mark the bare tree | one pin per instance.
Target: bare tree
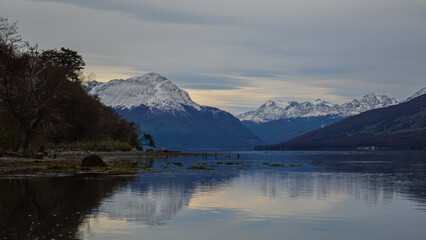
(9, 35)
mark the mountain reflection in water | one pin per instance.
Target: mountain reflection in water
(333, 195)
(155, 198)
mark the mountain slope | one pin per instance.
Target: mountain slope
(417, 94)
(285, 129)
(168, 113)
(207, 128)
(401, 126)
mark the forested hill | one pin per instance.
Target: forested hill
(42, 101)
(400, 126)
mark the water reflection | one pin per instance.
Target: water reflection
(321, 200)
(49, 208)
(333, 196)
(155, 198)
(382, 174)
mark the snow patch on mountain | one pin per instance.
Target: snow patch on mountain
(151, 90)
(90, 85)
(276, 109)
(417, 94)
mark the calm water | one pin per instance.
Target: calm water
(323, 195)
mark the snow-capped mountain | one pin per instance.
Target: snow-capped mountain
(400, 126)
(417, 94)
(151, 90)
(90, 85)
(167, 113)
(366, 103)
(276, 109)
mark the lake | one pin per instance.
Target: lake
(260, 195)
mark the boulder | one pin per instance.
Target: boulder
(93, 161)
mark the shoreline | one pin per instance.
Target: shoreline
(70, 162)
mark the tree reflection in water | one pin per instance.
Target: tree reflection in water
(51, 207)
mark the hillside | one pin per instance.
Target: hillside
(400, 126)
(285, 129)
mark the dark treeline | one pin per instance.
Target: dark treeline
(42, 101)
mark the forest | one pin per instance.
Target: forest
(44, 106)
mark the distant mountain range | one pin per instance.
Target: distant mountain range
(276, 109)
(168, 113)
(401, 126)
(277, 121)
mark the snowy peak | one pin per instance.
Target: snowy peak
(90, 85)
(275, 110)
(417, 94)
(368, 102)
(151, 90)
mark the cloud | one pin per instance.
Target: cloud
(257, 90)
(170, 13)
(206, 82)
(338, 49)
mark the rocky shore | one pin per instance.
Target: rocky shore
(71, 162)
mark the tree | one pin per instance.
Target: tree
(66, 58)
(9, 36)
(42, 100)
(147, 140)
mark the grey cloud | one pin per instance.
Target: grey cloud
(196, 81)
(261, 73)
(348, 47)
(149, 12)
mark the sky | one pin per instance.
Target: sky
(237, 54)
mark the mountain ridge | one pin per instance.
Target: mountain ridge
(401, 126)
(278, 121)
(151, 89)
(417, 94)
(277, 109)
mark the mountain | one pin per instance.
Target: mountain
(288, 128)
(417, 94)
(87, 86)
(168, 113)
(401, 126)
(150, 90)
(277, 121)
(276, 109)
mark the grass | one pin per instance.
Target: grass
(233, 163)
(282, 165)
(199, 167)
(276, 165)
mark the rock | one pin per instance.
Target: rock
(93, 161)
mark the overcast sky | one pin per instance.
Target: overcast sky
(237, 54)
